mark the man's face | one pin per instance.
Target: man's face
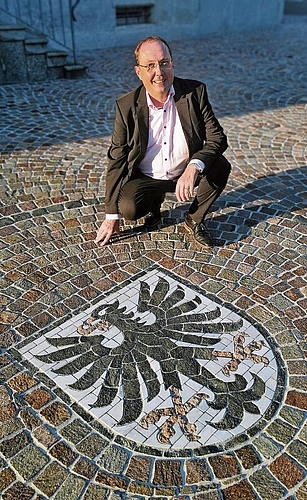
(157, 80)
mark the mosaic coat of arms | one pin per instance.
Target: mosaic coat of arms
(162, 365)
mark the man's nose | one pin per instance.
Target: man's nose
(158, 68)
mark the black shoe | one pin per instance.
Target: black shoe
(201, 233)
(152, 221)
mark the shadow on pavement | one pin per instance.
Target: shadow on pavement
(236, 213)
(282, 195)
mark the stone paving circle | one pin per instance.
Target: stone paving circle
(154, 368)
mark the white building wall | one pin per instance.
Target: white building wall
(172, 19)
(95, 25)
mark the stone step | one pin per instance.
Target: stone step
(36, 45)
(56, 58)
(55, 64)
(25, 57)
(13, 68)
(12, 32)
(75, 71)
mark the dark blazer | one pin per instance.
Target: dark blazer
(205, 137)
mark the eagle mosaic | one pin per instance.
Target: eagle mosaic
(162, 364)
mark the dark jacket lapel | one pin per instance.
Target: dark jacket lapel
(184, 112)
(142, 119)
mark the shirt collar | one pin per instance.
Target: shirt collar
(171, 93)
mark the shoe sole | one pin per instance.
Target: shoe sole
(189, 228)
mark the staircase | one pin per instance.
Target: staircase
(25, 57)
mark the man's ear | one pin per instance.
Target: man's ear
(137, 71)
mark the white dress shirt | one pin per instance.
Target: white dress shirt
(167, 151)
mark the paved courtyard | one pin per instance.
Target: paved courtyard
(154, 368)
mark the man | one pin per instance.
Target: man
(165, 139)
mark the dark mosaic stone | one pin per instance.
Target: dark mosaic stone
(164, 492)
(210, 495)
(7, 476)
(71, 488)
(81, 281)
(112, 481)
(29, 462)
(75, 431)
(82, 413)
(7, 412)
(42, 319)
(139, 468)
(56, 414)
(85, 468)
(25, 284)
(7, 339)
(71, 204)
(224, 466)
(297, 399)
(61, 394)
(298, 450)
(114, 459)
(92, 445)
(22, 382)
(238, 440)
(168, 473)
(9, 427)
(266, 485)
(19, 491)
(74, 302)
(54, 208)
(94, 492)
(63, 453)
(248, 457)
(35, 309)
(13, 292)
(50, 299)
(292, 416)
(197, 471)
(44, 436)
(106, 432)
(12, 446)
(19, 305)
(30, 421)
(266, 446)
(240, 490)
(45, 380)
(124, 442)
(286, 471)
(50, 479)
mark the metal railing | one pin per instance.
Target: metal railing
(53, 19)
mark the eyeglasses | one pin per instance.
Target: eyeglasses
(164, 65)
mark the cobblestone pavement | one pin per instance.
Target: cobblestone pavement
(154, 368)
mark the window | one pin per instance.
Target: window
(137, 14)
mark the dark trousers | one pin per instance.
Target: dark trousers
(142, 194)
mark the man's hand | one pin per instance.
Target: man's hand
(106, 231)
(185, 184)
